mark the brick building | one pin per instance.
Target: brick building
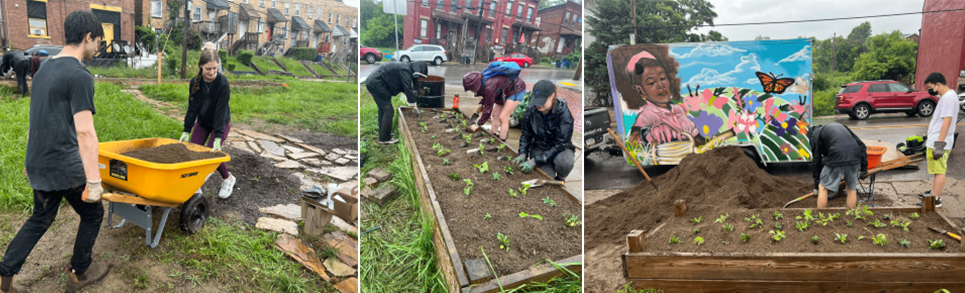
(452, 24)
(941, 46)
(33, 22)
(251, 24)
(561, 29)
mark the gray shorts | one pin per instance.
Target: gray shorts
(831, 177)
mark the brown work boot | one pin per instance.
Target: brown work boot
(14, 288)
(94, 273)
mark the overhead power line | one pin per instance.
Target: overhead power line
(799, 21)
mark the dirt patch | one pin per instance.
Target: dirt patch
(259, 185)
(531, 241)
(171, 154)
(797, 241)
(723, 177)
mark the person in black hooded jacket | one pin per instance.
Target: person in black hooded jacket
(547, 128)
(836, 152)
(389, 80)
(16, 61)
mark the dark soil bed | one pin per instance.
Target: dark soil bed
(723, 177)
(797, 241)
(171, 154)
(259, 184)
(531, 241)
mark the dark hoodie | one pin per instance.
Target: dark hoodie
(835, 145)
(491, 93)
(550, 133)
(396, 77)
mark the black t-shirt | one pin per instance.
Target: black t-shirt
(209, 105)
(61, 89)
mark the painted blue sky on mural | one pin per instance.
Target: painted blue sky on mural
(734, 64)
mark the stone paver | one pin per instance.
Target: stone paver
(342, 161)
(338, 173)
(273, 157)
(292, 149)
(302, 155)
(254, 146)
(332, 157)
(277, 225)
(312, 148)
(272, 147)
(351, 285)
(289, 138)
(339, 151)
(289, 212)
(380, 175)
(289, 164)
(259, 135)
(338, 268)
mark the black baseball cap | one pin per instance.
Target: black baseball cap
(542, 91)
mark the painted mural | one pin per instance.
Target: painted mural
(677, 99)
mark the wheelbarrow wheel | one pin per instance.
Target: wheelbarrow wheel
(194, 213)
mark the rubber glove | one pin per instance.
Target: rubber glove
(217, 145)
(519, 160)
(93, 192)
(185, 136)
(528, 166)
(474, 127)
(815, 192)
(939, 150)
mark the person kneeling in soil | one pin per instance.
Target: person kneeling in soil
(547, 128)
(389, 80)
(61, 159)
(208, 112)
(500, 96)
(16, 61)
(837, 152)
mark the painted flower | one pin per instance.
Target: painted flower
(798, 108)
(802, 127)
(750, 103)
(781, 115)
(692, 103)
(768, 109)
(708, 124)
(720, 101)
(761, 125)
(803, 154)
(746, 122)
(786, 148)
(788, 126)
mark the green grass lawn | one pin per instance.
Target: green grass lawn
(335, 67)
(265, 63)
(295, 67)
(321, 70)
(316, 106)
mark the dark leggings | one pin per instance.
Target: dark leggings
(386, 113)
(199, 135)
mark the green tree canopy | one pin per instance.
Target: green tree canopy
(889, 57)
(378, 26)
(861, 32)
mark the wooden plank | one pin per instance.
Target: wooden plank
(636, 241)
(928, 203)
(671, 286)
(871, 267)
(541, 273)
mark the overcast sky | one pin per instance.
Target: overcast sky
(743, 11)
(353, 3)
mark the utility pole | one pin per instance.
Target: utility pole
(478, 31)
(633, 21)
(832, 50)
(395, 14)
(184, 41)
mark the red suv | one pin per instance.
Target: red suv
(860, 99)
(370, 55)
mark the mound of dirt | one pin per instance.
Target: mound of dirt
(171, 154)
(723, 177)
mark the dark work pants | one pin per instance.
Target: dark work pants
(46, 205)
(384, 101)
(22, 69)
(561, 165)
(199, 135)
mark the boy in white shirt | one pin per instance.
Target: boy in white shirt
(941, 132)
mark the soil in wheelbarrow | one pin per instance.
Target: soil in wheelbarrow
(723, 177)
(171, 154)
(531, 241)
(798, 241)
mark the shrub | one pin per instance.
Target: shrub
(304, 53)
(147, 38)
(224, 56)
(231, 67)
(244, 56)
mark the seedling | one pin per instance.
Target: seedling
(899, 223)
(482, 168)
(904, 243)
(722, 218)
(469, 186)
(697, 220)
(778, 215)
(454, 176)
(547, 200)
(443, 152)
(468, 138)
(728, 227)
(433, 136)
(777, 226)
(572, 220)
(512, 192)
(525, 188)
(481, 148)
(745, 237)
(814, 239)
(753, 217)
(425, 129)
(421, 124)
(503, 241)
(857, 213)
(849, 223)
(914, 216)
(725, 242)
(523, 215)
(886, 217)
(835, 216)
(808, 216)
(500, 148)
(464, 123)
(802, 226)
(487, 217)
(778, 235)
(880, 240)
(445, 162)
(674, 239)
(696, 231)
(877, 224)
(937, 244)
(758, 223)
(699, 240)
(864, 209)
(492, 140)
(508, 170)
(495, 176)
(437, 146)
(841, 237)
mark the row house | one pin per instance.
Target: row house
(562, 29)
(26, 23)
(457, 24)
(263, 26)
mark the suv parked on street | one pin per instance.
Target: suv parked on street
(860, 99)
(370, 55)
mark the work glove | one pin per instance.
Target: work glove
(474, 127)
(217, 145)
(519, 160)
(185, 136)
(815, 192)
(93, 192)
(939, 150)
(528, 166)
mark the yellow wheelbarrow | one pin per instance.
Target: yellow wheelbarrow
(133, 188)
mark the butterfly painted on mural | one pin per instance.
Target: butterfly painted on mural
(773, 84)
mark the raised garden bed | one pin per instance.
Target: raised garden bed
(460, 225)
(796, 262)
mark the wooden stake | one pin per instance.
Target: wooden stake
(928, 204)
(636, 241)
(680, 208)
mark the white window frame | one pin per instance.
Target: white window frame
(197, 14)
(274, 3)
(509, 8)
(338, 19)
(423, 27)
(157, 9)
(261, 25)
(529, 13)
(566, 20)
(492, 8)
(330, 17)
(425, 3)
(310, 12)
(288, 7)
(261, 3)
(298, 8)
(438, 30)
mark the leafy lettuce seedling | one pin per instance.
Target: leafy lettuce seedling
(503, 241)
(524, 215)
(572, 220)
(728, 227)
(469, 186)
(500, 148)
(699, 240)
(899, 223)
(437, 146)
(937, 244)
(697, 220)
(674, 239)
(778, 215)
(508, 170)
(443, 152)
(445, 162)
(512, 192)
(877, 224)
(745, 237)
(454, 176)
(722, 218)
(904, 243)
(814, 239)
(495, 176)
(802, 226)
(758, 223)
(778, 235)
(914, 216)
(433, 136)
(481, 148)
(808, 216)
(547, 200)
(487, 217)
(482, 168)
(841, 237)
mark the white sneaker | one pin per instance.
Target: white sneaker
(227, 186)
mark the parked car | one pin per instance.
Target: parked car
(369, 54)
(51, 50)
(861, 99)
(521, 59)
(961, 101)
(432, 53)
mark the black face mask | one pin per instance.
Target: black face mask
(932, 92)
